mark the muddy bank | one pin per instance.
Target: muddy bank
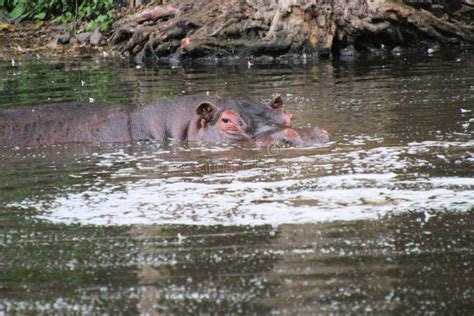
(43, 39)
(197, 28)
(228, 28)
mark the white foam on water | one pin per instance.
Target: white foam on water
(373, 184)
(329, 198)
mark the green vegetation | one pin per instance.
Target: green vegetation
(94, 12)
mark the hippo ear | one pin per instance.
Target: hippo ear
(206, 112)
(276, 102)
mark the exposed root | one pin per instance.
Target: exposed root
(197, 28)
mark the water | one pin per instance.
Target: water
(380, 220)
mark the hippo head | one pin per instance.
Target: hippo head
(213, 124)
(286, 136)
(278, 114)
(312, 135)
(265, 118)
(294, 137)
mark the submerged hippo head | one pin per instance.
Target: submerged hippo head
(295, 137)
(287, 136)
(212, 124)
(312, 135)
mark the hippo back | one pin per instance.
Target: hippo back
(63, 123)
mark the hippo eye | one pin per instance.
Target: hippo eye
(225, 120)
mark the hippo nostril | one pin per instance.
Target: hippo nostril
(290, 133)
(225, 120)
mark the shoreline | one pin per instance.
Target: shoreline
(178, 33)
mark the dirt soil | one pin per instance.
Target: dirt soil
(32, 38)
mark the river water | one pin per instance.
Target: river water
(380, 220)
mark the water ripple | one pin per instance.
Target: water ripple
(348, 185)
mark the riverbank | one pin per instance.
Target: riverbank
(223, 28)
(258, 29)
(29, 38)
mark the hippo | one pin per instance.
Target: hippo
(196, 119)
(176, 114)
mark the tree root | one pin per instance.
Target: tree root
(195, 28)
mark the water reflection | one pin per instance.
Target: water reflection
(394, 264)
(360, 179)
